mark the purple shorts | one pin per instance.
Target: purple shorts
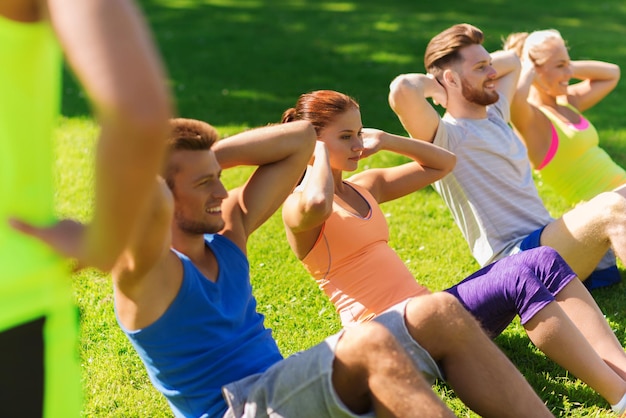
(521, 284)
(605, 274)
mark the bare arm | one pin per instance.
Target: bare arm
(148, 275)
(507, 66)
(430, 163)
(281, 153)
(598, 79)
(312, 204)
(533, 126)
(521, 110)
(108, 46)
(408, 94)
(306, 210)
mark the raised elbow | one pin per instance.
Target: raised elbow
(617, 72)
(397, 86)
(318, 205)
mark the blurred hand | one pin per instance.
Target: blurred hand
(67, 237)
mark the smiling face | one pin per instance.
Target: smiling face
(343, 139)
(477, 76)
(198, 191)
(553, 68)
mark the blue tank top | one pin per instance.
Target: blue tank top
(211, 335)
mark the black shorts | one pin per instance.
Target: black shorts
(22, 370)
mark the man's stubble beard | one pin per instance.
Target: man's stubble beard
(480, 97)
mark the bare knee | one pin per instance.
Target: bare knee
(437, 309)
(610, 207)
(438, 322)
(366, 340)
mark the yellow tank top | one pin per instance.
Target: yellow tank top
(578, 168)
(30, 80)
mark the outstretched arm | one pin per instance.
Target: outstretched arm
(108, 46)
(281, 153)
(408, 94)
(597, 80)
(430, 163)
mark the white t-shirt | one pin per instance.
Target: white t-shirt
(490, 192)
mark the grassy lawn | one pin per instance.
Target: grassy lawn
(238, 64)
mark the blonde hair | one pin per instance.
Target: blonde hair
(533, 45)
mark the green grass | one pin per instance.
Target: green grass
(239, 64)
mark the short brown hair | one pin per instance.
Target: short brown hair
(187, 134)
(191, 134)
(443, 50)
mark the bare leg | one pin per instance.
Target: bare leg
(584, 234)
(561, 339)
(481, 375)
(372, 370)
(582, 309)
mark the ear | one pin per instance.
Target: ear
(451, 78)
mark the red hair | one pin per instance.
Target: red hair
(319, 108)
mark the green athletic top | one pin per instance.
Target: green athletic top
(32, 276)
(576, 167)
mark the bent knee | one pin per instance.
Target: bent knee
(439, 321)
(438, 301)
(365, 338)
(540, 261)
(609, 205)
(437, 309)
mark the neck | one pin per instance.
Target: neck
(338, 179)
(461, 108)
(192, 245)
(202, 257)
(539, 97)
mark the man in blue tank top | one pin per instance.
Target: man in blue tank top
(184, 299)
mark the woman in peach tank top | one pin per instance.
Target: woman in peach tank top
(335, 227)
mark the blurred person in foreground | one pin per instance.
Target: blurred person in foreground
(108, 46)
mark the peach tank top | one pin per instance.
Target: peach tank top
(354, 265)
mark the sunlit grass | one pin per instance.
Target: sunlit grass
(240, 64)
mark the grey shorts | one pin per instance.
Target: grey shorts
(301, 385)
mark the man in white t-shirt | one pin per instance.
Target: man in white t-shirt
(490, 192)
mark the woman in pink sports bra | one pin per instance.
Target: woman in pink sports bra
(547, 113)
(336, 229)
